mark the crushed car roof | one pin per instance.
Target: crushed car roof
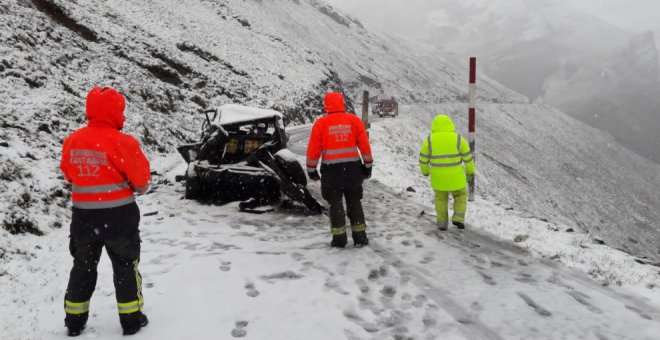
(234, 113)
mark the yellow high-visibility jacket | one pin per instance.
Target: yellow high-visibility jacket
(443, 154)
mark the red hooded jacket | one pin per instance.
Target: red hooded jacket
(337, 136)
(104, 165)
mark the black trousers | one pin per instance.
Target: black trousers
(335, 196)
(124, 252)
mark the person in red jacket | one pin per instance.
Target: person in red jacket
(105, 168)
(341, 141)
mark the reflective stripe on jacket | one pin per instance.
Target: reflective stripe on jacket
(443, 154)
(104, 165)
(338, 137)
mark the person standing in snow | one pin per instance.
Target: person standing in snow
(442, 156)
(105, 167)
(341, 139)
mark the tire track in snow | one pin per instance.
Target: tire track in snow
(472, 328)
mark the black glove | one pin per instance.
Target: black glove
(366, 171)
(314, 175)
(470, 178)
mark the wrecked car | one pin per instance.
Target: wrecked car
(242, 156)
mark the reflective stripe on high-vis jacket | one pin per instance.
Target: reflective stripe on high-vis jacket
(104, 196)
(95, 189)
(103, 204)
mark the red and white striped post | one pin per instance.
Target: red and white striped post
(472, 93)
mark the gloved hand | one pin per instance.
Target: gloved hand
(470, 178)
(366, 171)
(314, 175)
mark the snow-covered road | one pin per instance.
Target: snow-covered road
(211, 272)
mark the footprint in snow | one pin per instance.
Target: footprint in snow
(427, 260)
(161, 258)
(429, 320)
(192, 246)
(221, 246)
(497, 264)
(538, 309)
(355, 318)
(297, 256)
(476, 306)
(487, 278)
(478, 259)
(225, 266)
(420, 300)
(251, 290)
(418, 244)
(239, 331)
(601, 336)
(583, 299)
(525, 278)
(374, 274)
(639, 312)
(388, 291)
(287, 275)
(362, 285)
(269, 252)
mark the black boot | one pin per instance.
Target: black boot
(75, 323)
(339, 241)
(131, 323)
(459, 225)
(360, 239)
(74, 331)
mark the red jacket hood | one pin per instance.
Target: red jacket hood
(334, 102)
(105, 107)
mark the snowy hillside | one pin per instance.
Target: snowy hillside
(171, 59)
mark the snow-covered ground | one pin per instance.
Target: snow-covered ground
(211, 272)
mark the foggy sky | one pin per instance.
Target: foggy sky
(408, 17)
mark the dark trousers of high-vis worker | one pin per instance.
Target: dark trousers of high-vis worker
(116, 229)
